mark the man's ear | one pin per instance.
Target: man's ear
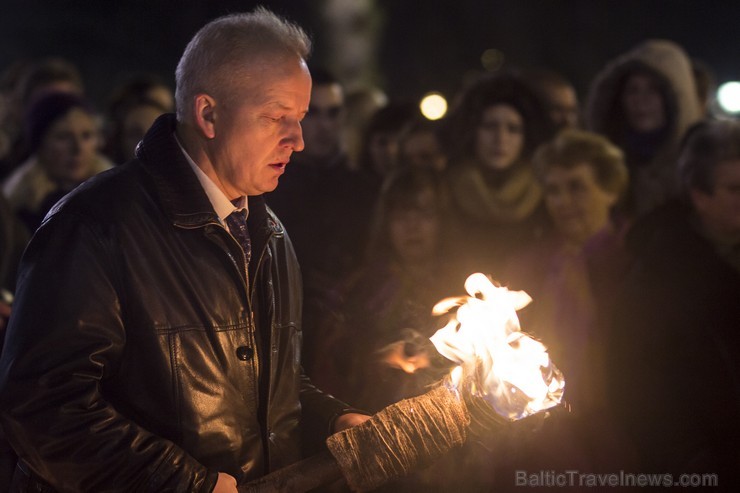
(205, 115)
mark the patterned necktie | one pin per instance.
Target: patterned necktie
(237, 222)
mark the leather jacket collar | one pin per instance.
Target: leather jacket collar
(183, 198)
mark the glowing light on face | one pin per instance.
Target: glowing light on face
(496, 360)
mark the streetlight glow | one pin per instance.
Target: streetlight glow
(728, 96)
(433, 106)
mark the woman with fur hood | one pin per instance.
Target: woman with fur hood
(644, 101)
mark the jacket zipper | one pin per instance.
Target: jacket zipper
(256, 375)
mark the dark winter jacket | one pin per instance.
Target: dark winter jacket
(674, 351)
(140, 356)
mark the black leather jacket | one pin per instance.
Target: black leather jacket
(140, 357)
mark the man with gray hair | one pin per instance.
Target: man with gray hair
(155, 338)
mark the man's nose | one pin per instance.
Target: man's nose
(294, 139)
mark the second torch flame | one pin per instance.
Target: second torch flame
(496, 360)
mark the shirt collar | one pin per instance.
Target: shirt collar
(220, 202)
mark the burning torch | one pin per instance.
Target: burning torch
(500, 373)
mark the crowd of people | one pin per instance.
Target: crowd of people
(618, 212)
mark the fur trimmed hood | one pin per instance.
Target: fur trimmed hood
(655, 180)
(662, 57)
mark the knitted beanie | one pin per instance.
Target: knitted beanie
(46, 110)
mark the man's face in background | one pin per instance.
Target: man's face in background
(322, 127)
(720, 211)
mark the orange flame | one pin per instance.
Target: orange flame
(496, 360)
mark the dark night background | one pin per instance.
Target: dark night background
(422, 45)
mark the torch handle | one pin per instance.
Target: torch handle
(305, 475)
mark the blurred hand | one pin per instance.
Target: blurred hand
(405, 356)
(225, 484)
(348, 421)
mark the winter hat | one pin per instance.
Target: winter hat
(48, 109)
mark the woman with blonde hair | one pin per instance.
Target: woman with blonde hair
(574, 272)
(573, 276)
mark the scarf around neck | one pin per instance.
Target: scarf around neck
(509, 202)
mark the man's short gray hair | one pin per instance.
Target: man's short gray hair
(219, 58)
(705, 146)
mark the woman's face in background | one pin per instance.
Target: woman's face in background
(414, 231)
(383, 148)
(135, 124)
(500, 137)
(577, 204)
(643, 105)
(69, 147)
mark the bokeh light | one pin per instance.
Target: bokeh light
(492, 59)
(728, 96)
(433, 106)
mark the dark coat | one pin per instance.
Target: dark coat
(140, 357)
(674, 352)
(13, 239)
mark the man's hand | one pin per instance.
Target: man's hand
(225, 484)
(348, 421)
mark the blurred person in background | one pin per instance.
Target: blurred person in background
(374, 346)
(361, 103)
(379, 152)
(574, 273)
(325, 205)
(644, 101)
(13, 239)
(145, 85)
(559, 95)
(128, 125)
(489, 137)
(324, 123)
(133, 107)
(674, 348)
(320, 200)
(62, 134)
(33, 80)
(406, 270)
(9, 122)
(419, 144)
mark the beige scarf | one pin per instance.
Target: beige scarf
(513, 201)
